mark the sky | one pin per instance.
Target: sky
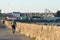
(29, 5)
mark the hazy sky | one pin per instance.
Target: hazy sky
(29, 5)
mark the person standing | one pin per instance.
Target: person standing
(13, 27)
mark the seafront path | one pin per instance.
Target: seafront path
(6, 34)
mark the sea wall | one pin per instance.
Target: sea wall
(38, 32)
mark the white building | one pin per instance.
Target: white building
(16, 14)
(50, 15)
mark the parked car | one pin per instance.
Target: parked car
(11, 18)
(36, 18)
(23, 19)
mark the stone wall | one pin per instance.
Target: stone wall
(39, 32)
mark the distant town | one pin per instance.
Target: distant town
(42, 17)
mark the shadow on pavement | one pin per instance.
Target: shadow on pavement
(2, 26)
(4, 39)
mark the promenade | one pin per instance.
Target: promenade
(6, 34)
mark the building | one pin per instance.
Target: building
(16, 14)
(50, 15)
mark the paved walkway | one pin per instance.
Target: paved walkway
(6, 34)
